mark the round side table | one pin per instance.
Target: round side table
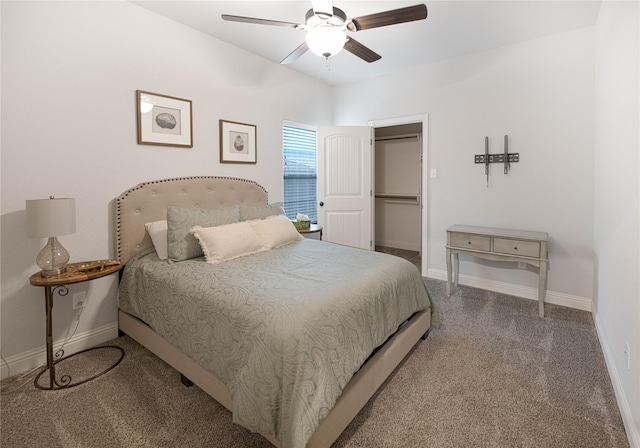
(315, 228)
(75, 273)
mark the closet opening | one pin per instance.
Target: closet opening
(398, 191)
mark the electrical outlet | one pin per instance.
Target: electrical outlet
(627, 351)
(79, 300)
(521, 265)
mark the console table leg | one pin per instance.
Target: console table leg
(456, 268)
(48, 294)
(448, 272)
(542, 284)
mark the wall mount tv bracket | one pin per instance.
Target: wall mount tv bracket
(506, 158)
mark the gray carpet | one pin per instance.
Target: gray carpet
(493, 375)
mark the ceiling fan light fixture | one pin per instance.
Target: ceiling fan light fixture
(325, 41)
(326, 28)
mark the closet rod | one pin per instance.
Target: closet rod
(398, 196)
(398, 137)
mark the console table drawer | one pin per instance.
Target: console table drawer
(517, 247)
(468, 241)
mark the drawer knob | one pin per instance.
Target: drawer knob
(515, 248)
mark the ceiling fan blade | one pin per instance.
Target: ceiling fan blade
(364, 53)
(253, 20)
(322, 8)
(295, 54)
(401, 15)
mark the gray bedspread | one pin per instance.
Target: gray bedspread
(285, 329)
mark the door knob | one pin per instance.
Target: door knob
(321, 204)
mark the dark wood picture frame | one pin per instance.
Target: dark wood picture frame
(238, 142)
(164, 120)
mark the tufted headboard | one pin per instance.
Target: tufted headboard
(148, 201)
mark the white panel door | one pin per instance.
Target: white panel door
(345, 197)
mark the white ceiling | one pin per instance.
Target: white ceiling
(453, 28)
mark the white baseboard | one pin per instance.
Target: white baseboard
(32, 359)
(633, 432)
(556, 298)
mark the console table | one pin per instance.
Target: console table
(501, 245)
(75, 273)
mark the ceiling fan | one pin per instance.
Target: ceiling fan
(327, 27)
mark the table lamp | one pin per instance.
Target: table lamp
(50, 218)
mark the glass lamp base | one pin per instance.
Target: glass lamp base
(53, 258)
(52, 272)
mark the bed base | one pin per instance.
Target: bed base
(354, 396)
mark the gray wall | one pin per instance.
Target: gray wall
(540, 93)
(69, 75)
(617, 202)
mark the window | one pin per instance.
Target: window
(299, 160)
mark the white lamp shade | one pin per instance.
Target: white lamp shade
(51, 217)
(325, 41)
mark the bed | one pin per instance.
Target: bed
(293, 338)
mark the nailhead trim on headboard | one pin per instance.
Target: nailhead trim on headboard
(147, 206)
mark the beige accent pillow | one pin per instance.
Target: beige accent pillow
(275, 231)
(157, 230)
(227, 242)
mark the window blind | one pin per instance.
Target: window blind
(300, 174)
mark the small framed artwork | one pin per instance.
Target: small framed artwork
(164, 120)
(237, 142)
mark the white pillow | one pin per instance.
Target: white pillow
(275, 231)
(157, 230)
(227, 242)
